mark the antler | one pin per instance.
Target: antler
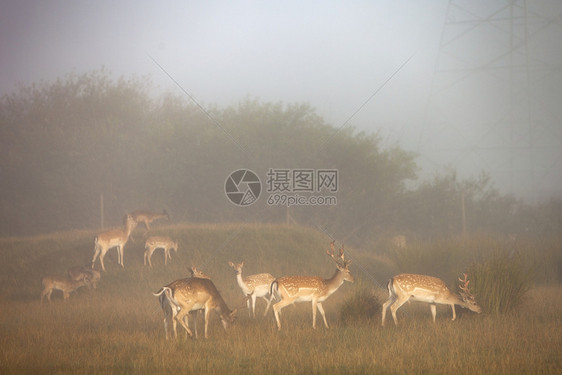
(332, 251)
(465, 290)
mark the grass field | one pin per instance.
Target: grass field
(118, 328)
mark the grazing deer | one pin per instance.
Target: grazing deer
(80, 272)
(62, 283)
(170, 309)
(147, 217)
(291, 289)
(254, 286)
(155, 242)
(193, 294)
(432, 290)
(113, 238)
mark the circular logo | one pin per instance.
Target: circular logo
(242, 187)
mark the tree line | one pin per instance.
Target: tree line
(68, 145)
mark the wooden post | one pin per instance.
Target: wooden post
(101, 210)
(463, 213)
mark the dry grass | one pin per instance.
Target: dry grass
(118, 328)
(96, 334)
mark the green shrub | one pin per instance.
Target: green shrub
(501, 281)
(362, 305)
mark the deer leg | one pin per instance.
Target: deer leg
(207, 313)
(102, 255)
(254, 305)
(194, 316)
(120, 253)
(385, 306)
(395, 306)
(268, 304)
(45, 293)
(321, 309)
(454, 312)
(314, 304)
(248, 304)
(277, 310)
(180, 318)
(433, 308)
(97, 251)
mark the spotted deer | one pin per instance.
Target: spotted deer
(315, 289)
(147, 217)
(254, 286)
(191, 294)
(159, 242)
(113, 238)
(407, 286)
(62, 283)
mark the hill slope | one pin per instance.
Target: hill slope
(277, 249)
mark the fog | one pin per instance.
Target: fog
(469, 85)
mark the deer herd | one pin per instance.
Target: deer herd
(183, 299)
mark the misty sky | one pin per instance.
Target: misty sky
(462, 92)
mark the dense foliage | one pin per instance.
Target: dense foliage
(67, 145)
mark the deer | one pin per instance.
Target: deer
(198, 273)
(254, 286)
(78, 273)
(147, 217)
(113, 238)
(291, 289)
(422, 288)
(159, 242)
(191, 294)
(62, 283)
(170, 309)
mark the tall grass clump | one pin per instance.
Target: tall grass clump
(501, 281)
(362, 305)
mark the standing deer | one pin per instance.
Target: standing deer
(156, 242)
(254, 286)
(113, 238)
(147, 217)
(432, 290)
(62, 283)
(193, 294)
(291, 289)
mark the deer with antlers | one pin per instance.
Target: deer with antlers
(291, 289)
(422, 288)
